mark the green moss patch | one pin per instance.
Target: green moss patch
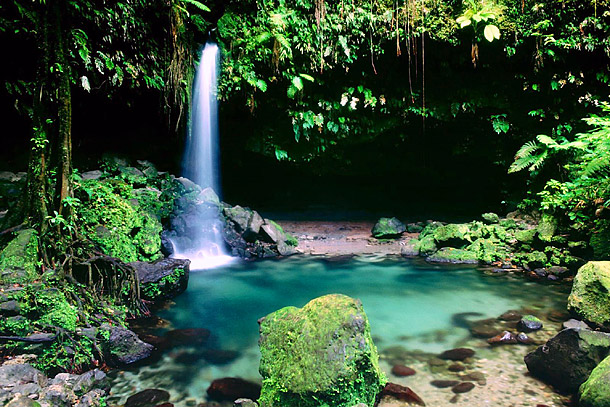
(19, 259)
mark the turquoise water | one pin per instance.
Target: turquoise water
(414, 305)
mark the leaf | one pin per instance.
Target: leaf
(491, 32)
(307, 77)
(84, 82)
(546, 140)
(463, 21)
(297, 82)
(262, 85)
(291, 91)
(197, 4)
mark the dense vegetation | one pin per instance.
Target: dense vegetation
(402, 87)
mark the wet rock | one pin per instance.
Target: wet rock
(409, 251)
(529, 323)
(94, 379)
(401, 371)
(456, 367)
(244, 403)
(478, 377)
(590, 296)
(9, 308)
(162, 280)
(457, 354)
(402, 393)
(510, 316)
(524, 339)
(463, 387)
(442, 384)
(123, 346)
(485, 328)
(388, 228)
(574, 323)
(188, 336)
(219, 356)
(490, 218)
(503, 339)
(330, 336)
(147, 398)
(595, 392)
(558, 271)
(271, 232)
(233, 388)
(567, 359)
(557, 316)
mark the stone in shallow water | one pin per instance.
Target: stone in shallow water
(401, 371)
(503, 339)
(590, 296)
(402, 393)
(457, 354)
(442, 384)
(321, 353)
(232, 388)
(529, 323)
(463, 387)
(147, 398)
(510, 316)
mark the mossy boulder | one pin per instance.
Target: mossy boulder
(590, 296)
(113, 219)
(427, 246)
(487, 250)
(453, 256)
(19, 259)
(547, 228)
(162, 280)
(490, 218)
(388, 228)
(526, 236)
(595, 392)
(453, 235)
(319, 355)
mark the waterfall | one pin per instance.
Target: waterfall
(201, 239)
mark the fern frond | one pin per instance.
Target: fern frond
(197, 4)
(546, 140)
(522, 163)
(527, 149)
(598, 165)
(538, 161)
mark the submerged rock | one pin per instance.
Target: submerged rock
(320, 354)
(402, 371)
(590, 296)
(595, 392)
(403, 393)
(388, 228)
(568, 358)
(529, 323)
(233, 388)
(457, 354)
(147, 398)
(124, 347)
(162, 280)
(463, 387)
(503, 339)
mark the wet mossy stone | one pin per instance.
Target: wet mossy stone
(490, 218)
(453, 235)
(567, 359)
(547, 228)
(453, 256)
(590, 296)
(595, 392)
(526, 236)
(529, 323)
(487, 250)
(123, 347)
(162, 280)
(319, 355)
(427, 246)
(388, 228)
(19, 259)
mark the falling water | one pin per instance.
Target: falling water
(203, 243)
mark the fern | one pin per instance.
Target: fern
(197, 4)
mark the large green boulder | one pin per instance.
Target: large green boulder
(19, 259)
(319, 355)
(453, 235)
(388, 228)
(595, 392)
(590, 296)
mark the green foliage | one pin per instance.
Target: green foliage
(477, 14)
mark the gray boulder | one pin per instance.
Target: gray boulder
(568, 358)
(388, 228)
(124, 347)
(164, 279)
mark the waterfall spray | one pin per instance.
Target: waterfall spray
(202, 242)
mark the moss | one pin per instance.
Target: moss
(526, 236)
(319, 355)
(429, 229)
(490, 218)
(547, 228)
(534, 259)
(19, 259)
(289, 239)
(590, 296)
(427, 246)
(388, 228)
(455, 256)
(109, 218)
(595, 392)
(600, 240)
(453, 235)
(508, 224)
(154, 290)
(487, 250)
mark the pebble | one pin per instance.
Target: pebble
(463, 387)
(457, 354)
(456, 367)
(402, 371)
(441, 384)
